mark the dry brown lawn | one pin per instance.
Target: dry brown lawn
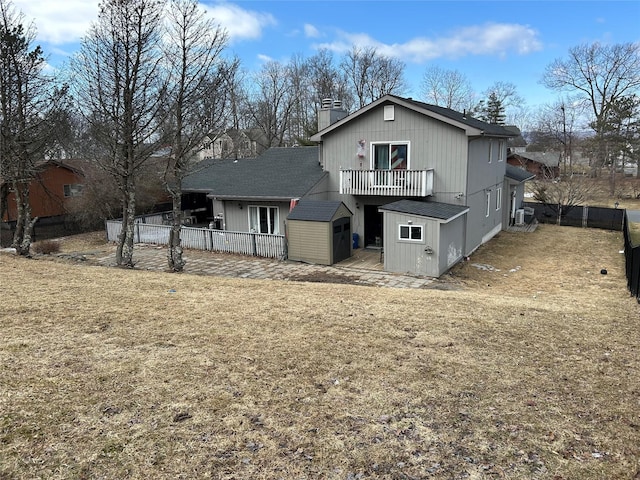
(526, 368)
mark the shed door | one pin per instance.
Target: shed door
(341, 239)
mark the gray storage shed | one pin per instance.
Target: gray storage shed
(319, 231)
(423, 238)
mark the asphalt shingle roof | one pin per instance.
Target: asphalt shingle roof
(278, 173)
(315, 210)
(518, 174)
(464, 118)
(441, 211)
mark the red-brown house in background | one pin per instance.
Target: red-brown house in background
(51, 192)
(541, 164)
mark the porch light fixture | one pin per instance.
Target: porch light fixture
(240, 206)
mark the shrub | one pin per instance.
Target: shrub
(46, 247)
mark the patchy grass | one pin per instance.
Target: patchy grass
(529, 369)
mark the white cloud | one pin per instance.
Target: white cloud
(310, 31)
(67, 21)
(489, 39)
(59, 22)
(239, 23)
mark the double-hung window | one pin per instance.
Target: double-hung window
(498, 198)
(264, 220)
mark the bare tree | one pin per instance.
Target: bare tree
(600, 75)
(328, 81)
(30, 104)
(563, 195)
(372, 75)
(272, 102)
(555, 128)
(196, 82)
(121, 91)
(447, 88)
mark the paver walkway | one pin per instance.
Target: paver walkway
(150, 257)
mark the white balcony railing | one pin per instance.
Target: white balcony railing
(396, 183)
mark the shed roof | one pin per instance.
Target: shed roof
(518, 174)
(440, 211)
(279, 173)
(315, 210)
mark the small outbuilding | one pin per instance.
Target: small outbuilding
(423, 238)
(319, 231)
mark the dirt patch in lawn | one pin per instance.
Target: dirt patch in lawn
(526, 372)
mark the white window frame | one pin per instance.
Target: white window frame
(410, 228)
(490, 150)
(501, 150)
(372, 150)
(258, 209)
(389, 113)
(498, 198)
(488, 210)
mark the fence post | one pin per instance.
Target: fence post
(254, 245)
(585, 216)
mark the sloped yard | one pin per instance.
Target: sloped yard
(522, 363)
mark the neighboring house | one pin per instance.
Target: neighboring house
(51, 191)
(233, 144)
(253, 195)
(426, 183)
(540, 164)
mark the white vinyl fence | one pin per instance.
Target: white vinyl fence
(256, 244)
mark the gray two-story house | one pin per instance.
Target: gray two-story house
(425, 183)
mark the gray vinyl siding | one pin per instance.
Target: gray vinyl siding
(451, 243)
(432, 144)
(236, 219)
(404, 256)
(310, 241)
(483, 176)
(445, 240)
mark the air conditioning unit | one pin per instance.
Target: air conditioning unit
(520, 216)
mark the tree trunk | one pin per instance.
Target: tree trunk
(24, 223)
(124, 250)
(174, 254)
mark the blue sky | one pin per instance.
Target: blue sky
(509, 41)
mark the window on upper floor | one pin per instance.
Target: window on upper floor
(490, 150)
(390, 156)
(264, 220)
(502, 150)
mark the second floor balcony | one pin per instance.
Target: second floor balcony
(392, 183)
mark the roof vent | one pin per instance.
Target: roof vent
(337, 104)
(326, 103)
